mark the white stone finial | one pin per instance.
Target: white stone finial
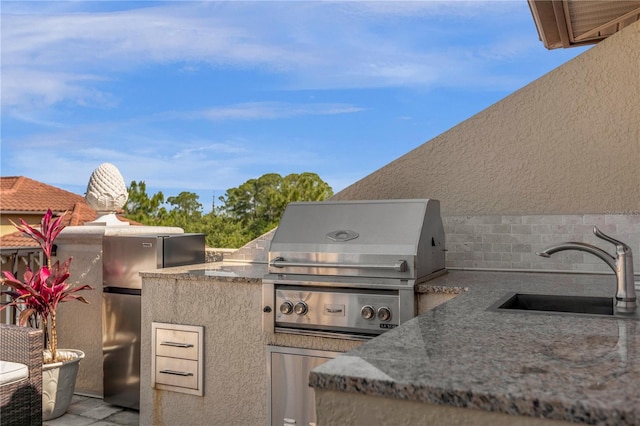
(106, 193)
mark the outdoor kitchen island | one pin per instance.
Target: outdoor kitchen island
(512, 367)
(497, 365)
(225, 299)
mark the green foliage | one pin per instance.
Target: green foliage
(143, 209)
(185, 213)
(248, 211)
(224, 232)
(259, 203)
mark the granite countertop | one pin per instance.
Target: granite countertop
(231, 271)
(564, 367)
(253, 272)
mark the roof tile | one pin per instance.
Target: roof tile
(21, 194)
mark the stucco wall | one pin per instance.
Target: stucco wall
(339, 408)
(568, 142)
(6, 227)
(235, 365)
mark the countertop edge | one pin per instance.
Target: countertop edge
(512, 405)
(372, 370)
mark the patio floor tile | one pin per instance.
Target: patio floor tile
(85, 411)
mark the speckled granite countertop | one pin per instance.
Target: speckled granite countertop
(573, 368)
(253, 272)
(240, 272)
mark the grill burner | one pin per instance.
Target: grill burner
(348, 268)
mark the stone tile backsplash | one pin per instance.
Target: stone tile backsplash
(510, 242)
(256, 251)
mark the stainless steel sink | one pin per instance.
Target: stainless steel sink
(560, 304)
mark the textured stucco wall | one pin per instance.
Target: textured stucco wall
(339, 409)
(235, 382)
(568, 142)
(233, 348)
(80, 325)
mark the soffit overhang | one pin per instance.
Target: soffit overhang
(569, 23)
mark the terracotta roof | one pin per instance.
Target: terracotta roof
(21, 194)
(16, 240)
(80, 214)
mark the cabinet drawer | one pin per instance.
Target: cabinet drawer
(177, 343)
(176, 372)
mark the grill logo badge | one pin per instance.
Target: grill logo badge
(334, 310)
(388, 325)
(342, 235)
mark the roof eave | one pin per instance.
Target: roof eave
(572, 23)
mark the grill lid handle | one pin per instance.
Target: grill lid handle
(280, 262)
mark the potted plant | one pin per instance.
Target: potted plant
(37, 296)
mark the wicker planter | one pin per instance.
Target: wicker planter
(58, 384)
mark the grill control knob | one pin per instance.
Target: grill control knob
(384, 314)
(367, 312)
(301, 308)
(286, 307)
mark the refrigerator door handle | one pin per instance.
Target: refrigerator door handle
(122, 290)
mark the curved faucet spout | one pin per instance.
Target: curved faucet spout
(622, 265)
(588, 248)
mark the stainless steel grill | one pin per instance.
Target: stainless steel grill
(348, 268)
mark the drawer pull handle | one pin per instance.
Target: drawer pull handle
(176, 373)
(177, 345)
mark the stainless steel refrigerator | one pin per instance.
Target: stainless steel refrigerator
(124, 257)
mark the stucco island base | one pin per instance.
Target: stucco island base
(340, 408)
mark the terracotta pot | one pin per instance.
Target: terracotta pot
(59, 383)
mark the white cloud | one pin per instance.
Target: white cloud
(204, 151)
(163, 163)
(273, 110)
(33, 88)
(105, 57)
(314, 44)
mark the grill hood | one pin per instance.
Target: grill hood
(382, 238)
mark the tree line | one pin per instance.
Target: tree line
(244, 213)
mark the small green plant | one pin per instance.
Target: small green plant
(40, 292)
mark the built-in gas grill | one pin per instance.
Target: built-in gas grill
(347, 269)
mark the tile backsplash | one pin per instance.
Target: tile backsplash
(510, 242)
(256, 251)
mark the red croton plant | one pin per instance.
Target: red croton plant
(40, 292)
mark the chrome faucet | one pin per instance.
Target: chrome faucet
(622, 265)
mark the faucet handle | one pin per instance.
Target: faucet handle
(620, 246)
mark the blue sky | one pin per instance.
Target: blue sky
(202, 96)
